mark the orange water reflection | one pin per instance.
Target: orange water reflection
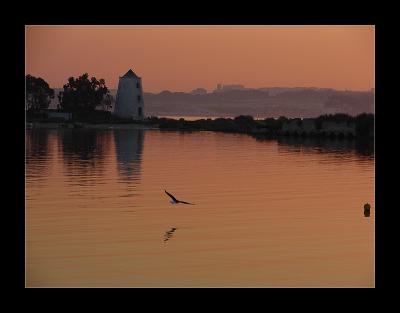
(267, 213)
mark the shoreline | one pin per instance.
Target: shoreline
(363, 145)
(259, 134)
(339, 126)
(58, 125)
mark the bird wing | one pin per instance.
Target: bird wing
(173, 198)
(185, 202)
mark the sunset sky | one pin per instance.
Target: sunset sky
(182, 58)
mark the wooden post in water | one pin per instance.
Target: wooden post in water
(367, 209)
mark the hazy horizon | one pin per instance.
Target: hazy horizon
(183, 58)
(212, 89)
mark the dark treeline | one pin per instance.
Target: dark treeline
(78, 95)
(88, 99)
(38, 93)
(360, 126)
(84, 94)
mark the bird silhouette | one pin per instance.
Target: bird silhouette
(175, 200)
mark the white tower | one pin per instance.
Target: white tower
(129, 100)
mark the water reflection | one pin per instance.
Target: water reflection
(129, 149)
(169, 233)
(84, 153)
(37, 155)
(336, 146)
(267, 213)
(88, 144)
(37, 143)
(365, 148)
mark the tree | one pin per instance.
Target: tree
(83, 94)
(364, 125)
(336, 118)
(38, 93)
(272, 124)
(282, 120)
(244, 123)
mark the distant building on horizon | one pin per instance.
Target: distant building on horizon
(129, 99)
(221, 88)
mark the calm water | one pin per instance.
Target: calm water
(267, 213)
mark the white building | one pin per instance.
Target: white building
(129, 99)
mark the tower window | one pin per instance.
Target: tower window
(138, 85)
(140, 111)
(138, 98)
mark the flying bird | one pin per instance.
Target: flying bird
(175, 200)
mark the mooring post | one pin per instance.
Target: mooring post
(367, 209)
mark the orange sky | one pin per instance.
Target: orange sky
(182, 58)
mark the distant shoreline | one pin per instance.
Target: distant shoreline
(362, 144)
(59, 125)
(340, 126)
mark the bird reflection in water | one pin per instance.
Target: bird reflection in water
(168, 234)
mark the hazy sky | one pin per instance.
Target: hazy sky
(182, 58)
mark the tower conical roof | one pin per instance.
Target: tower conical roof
(130, 73)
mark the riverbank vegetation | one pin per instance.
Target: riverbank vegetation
(333, 125)
(82, 96)
(38, 93)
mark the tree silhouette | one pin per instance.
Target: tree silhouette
(83, 94)
(38, 93)
(364, 125)
(337, 118)
(244, 123)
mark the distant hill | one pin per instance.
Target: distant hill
(263, 102)
(273, 102)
